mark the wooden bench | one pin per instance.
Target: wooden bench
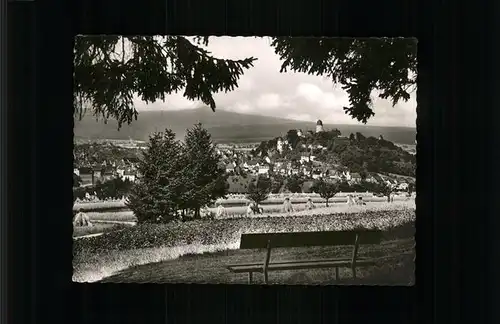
(306, 239)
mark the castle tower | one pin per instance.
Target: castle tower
(279, 145)
(319, 126)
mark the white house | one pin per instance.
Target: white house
(316, 174)
(306, 171)
(230, 167)
(263, 169)
(280, 144)
(120, 172)
(128, 175)
(250, 164)
(355, 178)
(97, 173)
(403, 186)
(305, 158)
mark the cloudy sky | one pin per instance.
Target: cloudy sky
(263, 90)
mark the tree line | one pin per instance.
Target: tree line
(114, 189)
(260, 188)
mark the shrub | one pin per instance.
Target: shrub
(221, 231)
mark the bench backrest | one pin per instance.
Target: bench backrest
(304, 239)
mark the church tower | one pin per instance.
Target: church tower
(319, 126)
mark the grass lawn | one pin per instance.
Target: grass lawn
(395, 266)
(191, 251)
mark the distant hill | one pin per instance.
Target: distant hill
(224, 126)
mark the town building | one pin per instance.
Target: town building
(316, 174)
(108, 174)
(263, 169)
(355, 178)
(129, 175)
(279, 145)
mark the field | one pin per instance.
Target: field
(240, 200)
(178, 252)
(97, 228)
(116, 211)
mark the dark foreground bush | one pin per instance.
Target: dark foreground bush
(220, 231)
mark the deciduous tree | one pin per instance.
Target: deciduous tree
(325, 189)
(294, 184)
(259, 190)
(386, 189)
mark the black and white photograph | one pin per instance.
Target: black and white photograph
(244, 160)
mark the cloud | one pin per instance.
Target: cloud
(173, 101)
(310, 92)
(305, 117)
(264, 90)
(270, 100)
(241, 107)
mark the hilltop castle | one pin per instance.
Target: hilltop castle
(281, 142)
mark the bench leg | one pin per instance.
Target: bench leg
(266, 277)
(336, 273)
(250, 277)
(354, 272)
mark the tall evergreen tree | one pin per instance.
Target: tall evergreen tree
(158, 192)
(205, 181)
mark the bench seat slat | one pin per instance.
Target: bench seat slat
(292, 261)
(296, 265)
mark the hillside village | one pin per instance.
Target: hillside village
(320, 155)
(99, 162)
(310, 155)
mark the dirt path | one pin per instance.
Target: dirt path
(88, 235)
(131, 223)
